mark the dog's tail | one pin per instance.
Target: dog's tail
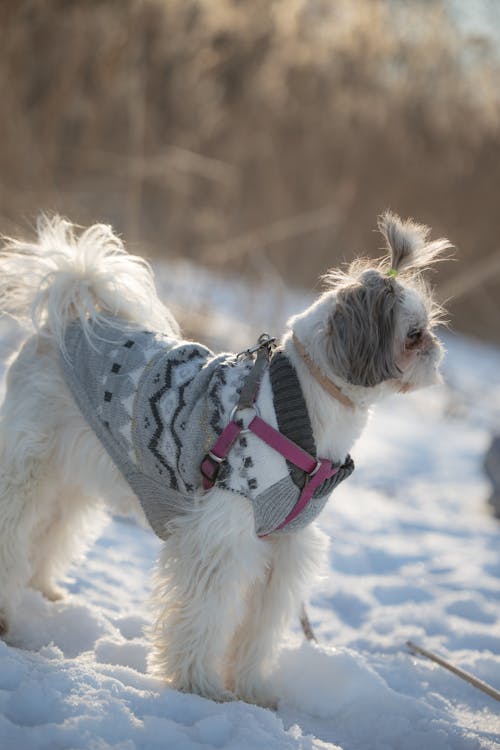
(65, 275)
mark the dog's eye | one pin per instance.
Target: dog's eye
(413, 337)
(414, 334)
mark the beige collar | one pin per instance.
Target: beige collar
(325, 382)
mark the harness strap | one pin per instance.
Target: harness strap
(251, 386)
(288, 449)
(324, 472)
(210, 465)
(317, 471)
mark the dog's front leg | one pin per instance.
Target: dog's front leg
(207, 565)
(297, 559)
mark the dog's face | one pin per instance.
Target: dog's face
(375, 324)
(380, 330)
(417, 350)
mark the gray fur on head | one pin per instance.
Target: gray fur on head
(361, 340)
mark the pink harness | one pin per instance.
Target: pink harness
(317, 470)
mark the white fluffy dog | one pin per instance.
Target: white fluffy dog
(226, 587)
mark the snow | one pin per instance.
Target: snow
(415, 555)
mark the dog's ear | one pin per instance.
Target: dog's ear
(362, 330)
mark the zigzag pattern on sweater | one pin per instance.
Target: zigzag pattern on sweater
(159, 404)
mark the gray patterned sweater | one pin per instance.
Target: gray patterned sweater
(158, 405)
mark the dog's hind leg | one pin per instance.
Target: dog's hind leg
(30, 421)
(297, 559)
(44, 525)
(19, 515)
(207, 565)
(60, 538)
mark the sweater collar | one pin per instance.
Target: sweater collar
(292, 415)
(289, 403)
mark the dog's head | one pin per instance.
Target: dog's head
(375, 322)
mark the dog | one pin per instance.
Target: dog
(230, 458)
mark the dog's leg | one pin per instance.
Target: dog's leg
(40, 515)
(19, 514)
(297, 558)
(206, 567)
(63, 535)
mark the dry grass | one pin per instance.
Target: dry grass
(255, 135)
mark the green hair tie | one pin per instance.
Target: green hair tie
(392, 273)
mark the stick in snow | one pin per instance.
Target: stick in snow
(456, 670)
(306, 625)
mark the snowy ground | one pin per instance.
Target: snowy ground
(415, 554)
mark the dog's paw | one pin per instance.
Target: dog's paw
(49, 590)
(221, 696)
(260, 695)
(211, 690)
(54, 593)
(259, 699)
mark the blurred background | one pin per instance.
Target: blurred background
(260, 138)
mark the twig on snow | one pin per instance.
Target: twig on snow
(306, 625)
(456, 670)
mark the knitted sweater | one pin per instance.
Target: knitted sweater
(158, 405)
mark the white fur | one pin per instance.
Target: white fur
(223, 597)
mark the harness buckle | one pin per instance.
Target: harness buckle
(254, 413)
(315, 470)
(211, 463)
(213, 457)
(264, 341)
